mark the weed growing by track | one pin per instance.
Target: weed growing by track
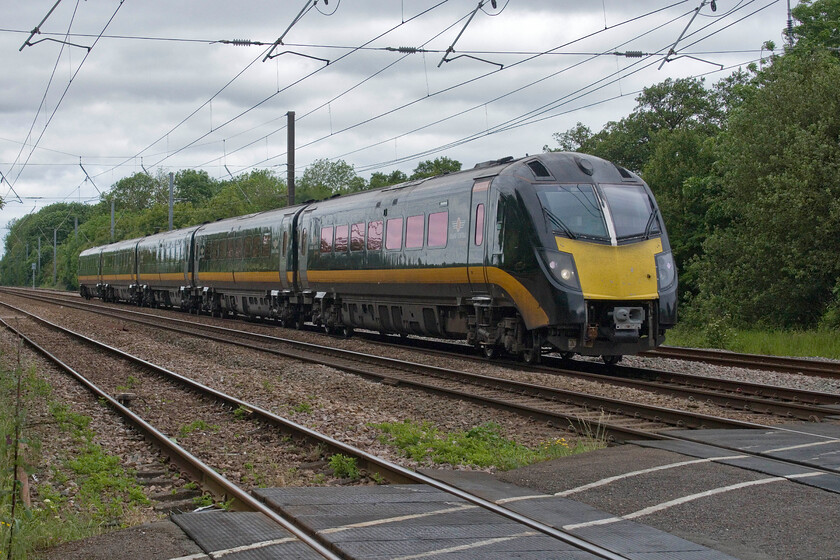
(482, 446)
(45, 501)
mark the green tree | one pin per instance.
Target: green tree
(774, 260)
(139, 191)
(194, 186)
(325, 178)
(819, 23)
(379, 179)
(438, 166)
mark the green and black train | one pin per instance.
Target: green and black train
(559, 252)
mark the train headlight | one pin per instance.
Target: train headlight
(562, 268)
(666, 270)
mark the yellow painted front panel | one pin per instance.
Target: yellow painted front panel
(608, 272)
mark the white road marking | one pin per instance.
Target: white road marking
(689, 498)
(394, 519)
(611, 479)
(804, 445)
(222, 553)
(462, 547)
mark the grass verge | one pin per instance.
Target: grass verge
(482, 446)
(814, 343)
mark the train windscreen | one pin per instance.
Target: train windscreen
(632, 211)
(573, 210)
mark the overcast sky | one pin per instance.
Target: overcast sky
(162, 90)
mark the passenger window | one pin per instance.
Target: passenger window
(414, 232)
(266, 244)
(438, 226)
(393, 235)
(374, 236)
(303, 242)
(341, 234)
(357, 237)
(283, 248)
(479, 224)
(326, 239)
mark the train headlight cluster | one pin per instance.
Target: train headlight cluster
(666, 270)
(562, 268)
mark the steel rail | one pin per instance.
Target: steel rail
(204, 472)
(750, 361)
(188, 463)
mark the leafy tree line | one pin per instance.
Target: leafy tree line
(747, 175)
(141, 204)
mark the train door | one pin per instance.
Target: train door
(478, 238)
(287, 256)
(306, 229)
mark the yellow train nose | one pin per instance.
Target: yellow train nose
(624, 272)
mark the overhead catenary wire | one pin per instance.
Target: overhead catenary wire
(66, 89)
(235, 165)
(474, 79)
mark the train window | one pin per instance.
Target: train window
(414, 232)
(357, 237)
(341, 238)
(285, 237)
(326, 239)
(438, 225)
(303, 242)
(393, 235)
(266, 244)
(479, 224)
(374, 236)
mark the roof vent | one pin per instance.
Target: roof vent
(624, 173)
(585, 165)
(493, 162)
(539, 169)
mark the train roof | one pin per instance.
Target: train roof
(167, 235)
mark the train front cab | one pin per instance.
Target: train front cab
(606, 253)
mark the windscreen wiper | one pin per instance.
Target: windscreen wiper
(649, 226)
(559, 223)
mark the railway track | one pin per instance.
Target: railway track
(224, 489)
(751, 398)
(803, 366)
(618, 420)
(731, 394)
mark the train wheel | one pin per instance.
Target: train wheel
(346, 332)
(533, 349)
(490, 351)
(611, 360)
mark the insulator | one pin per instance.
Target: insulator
(633, 54)
(404, 50)
(241, 42)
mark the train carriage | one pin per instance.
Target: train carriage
(118, 272)
(243, 264)
(90, 271)
(164, 271)
(393, 260)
